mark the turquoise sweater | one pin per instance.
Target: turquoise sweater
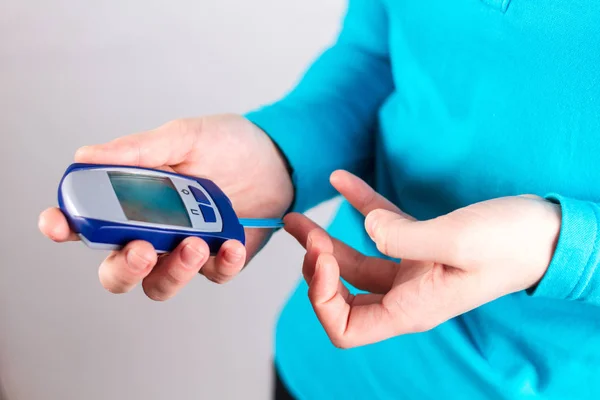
(441, 104)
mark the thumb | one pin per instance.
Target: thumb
(168, 144)
(398, 236)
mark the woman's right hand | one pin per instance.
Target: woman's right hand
(227, 149)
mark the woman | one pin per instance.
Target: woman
(464, 139)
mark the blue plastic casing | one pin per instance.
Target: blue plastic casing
(110, 233)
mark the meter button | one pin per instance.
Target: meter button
(208, 213)
(199, 195)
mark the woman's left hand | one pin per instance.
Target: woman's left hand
(450, 264)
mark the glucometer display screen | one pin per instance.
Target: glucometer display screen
(151, 199)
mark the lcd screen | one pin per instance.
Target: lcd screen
(152, 199)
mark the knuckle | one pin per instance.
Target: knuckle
(154, 293)
(176, 125)
(358, 259)
(368, 199)
(358, 262)
(218, 278)
(184, 126)
(228, 269)
(115, 285)
(128, 145)
(176, 277)
(340, 342)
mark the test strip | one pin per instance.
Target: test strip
(266, 223)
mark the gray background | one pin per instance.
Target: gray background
(79, 72)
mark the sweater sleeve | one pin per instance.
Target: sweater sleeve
(573, 273)
(326, 121)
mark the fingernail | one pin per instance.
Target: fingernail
(234, 256)
(190, 256)
(371, 225)
(310, 240)
(320, 266)
(136, 261)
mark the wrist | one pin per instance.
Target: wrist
(284, 160)
(549, 232)
(279, 170)
(573, 272)
(276, 172)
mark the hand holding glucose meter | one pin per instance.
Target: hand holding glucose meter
(109, 206)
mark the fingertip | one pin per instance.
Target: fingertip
(371, 221)
(230, 260)
(346, 182)
(376, 218)
(289, 220)
(53, 224)
(125, 268)
(342, 181)
(337, 176)
(234, 252)
(197, 243)
(43, 223)
(84, 154)
(299, 226)
(193, 252)
(140, 255)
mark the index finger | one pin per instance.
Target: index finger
(349, 321)
(374, 275)
(168, 144)
(362, 196)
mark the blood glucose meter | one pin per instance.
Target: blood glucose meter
(111, 205)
